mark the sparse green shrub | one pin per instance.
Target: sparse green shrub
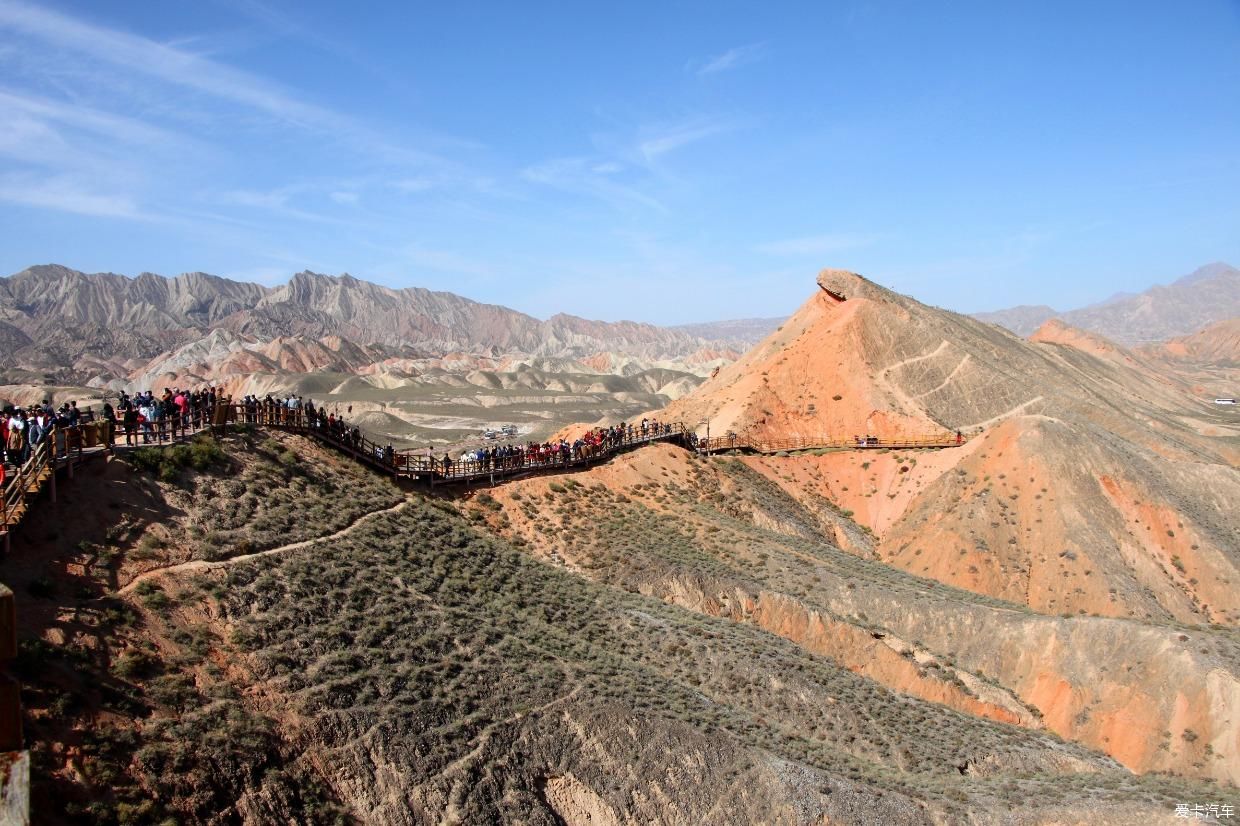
(135, 663)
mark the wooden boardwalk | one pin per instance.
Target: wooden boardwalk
(66, 448)
(431, 470)
(747, 444)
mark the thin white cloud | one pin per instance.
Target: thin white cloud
(345, 198)
(578, 175)
(160, 61)
(65, 194)
(48, 137)
(668, 139)
(273, 199)
(85, 118)
(733, 58)
(817, 244)
(278, 202)
(188, 70)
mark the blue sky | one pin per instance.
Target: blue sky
(666, 162)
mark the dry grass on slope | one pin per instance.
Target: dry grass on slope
(267, 490)
(102, 677)
(718, 538)
(417, 668)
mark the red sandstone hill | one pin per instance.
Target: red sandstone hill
(1098, 484)
(1217, 344)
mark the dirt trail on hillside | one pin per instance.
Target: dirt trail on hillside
(204, 565)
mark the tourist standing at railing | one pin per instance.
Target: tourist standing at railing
(129, 417)
(146, 415)
(109, 424)
(182, 404)
(15, 439)
(38, 428)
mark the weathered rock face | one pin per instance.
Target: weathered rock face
(56, 315)
(882, 363)
(1098, 483)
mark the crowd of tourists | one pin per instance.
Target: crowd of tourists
(24, 429)
(297, 412)
(595, 442)
(147, 418)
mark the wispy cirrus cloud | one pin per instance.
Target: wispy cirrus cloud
(157, 60)
(68, 194)
(97, 122)
(818, 244)
(582, 176)
(659, 140)
(733, 58)
(164, 63)
(287, 201)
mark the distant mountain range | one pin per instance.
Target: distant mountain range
(55, 320)
(1207, 295)
(64, 326)
(43, 299)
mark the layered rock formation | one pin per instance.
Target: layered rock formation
(1094, 483)
(54, 316)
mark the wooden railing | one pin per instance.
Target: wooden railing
(414, 463)
(65, 447)
(25, 483)
(524, 461)
(736, 441)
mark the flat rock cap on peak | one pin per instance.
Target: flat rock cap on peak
(846, 284)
